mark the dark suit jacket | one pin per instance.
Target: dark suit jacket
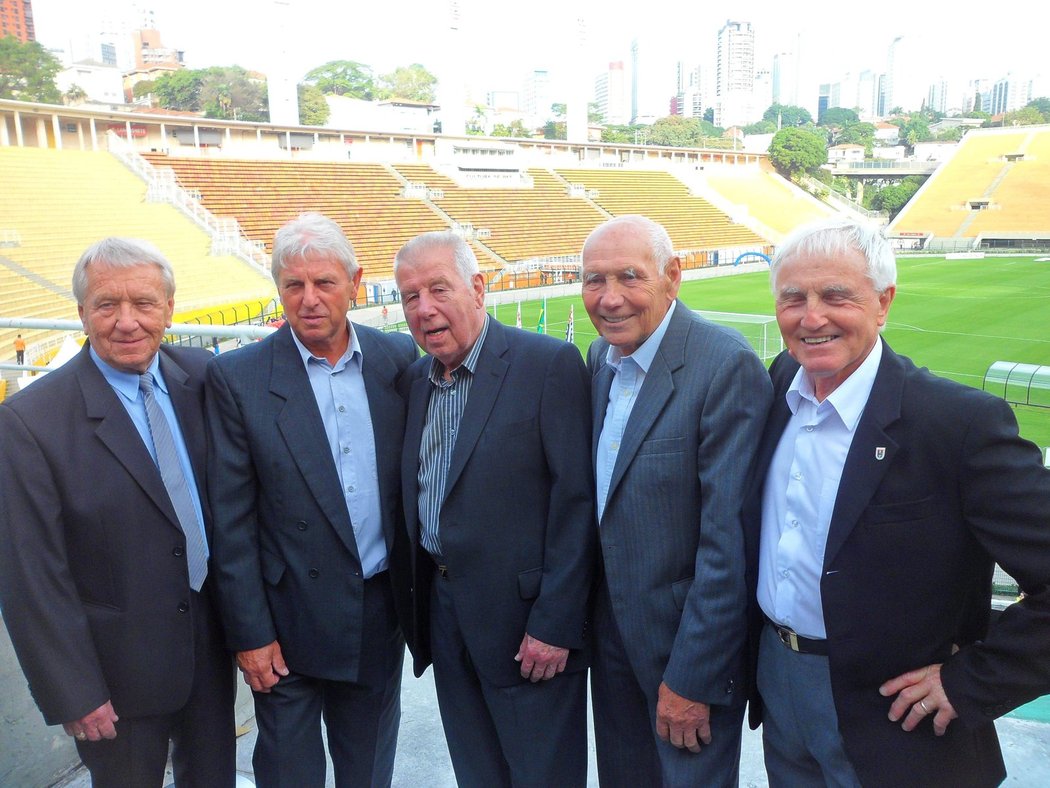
(285, 557)
(93, 576)
(908, 567)
(516, 523)
(673, 510)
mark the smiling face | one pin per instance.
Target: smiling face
(316, 292)
(444, 313)
(829, 314)
(624, 292)
(125, 312)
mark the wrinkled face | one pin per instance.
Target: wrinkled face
(444, 313)
(125, 312)
(623, 291)
(829, 314)
(316, 293)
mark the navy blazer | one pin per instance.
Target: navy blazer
(936, 488)
(286, 561)
(516, 522)
(671, 536)
(93, 575)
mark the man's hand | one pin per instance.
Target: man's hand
(920, 694)
(95, 726)
(262, 667)
(539, 661)
(682, 722)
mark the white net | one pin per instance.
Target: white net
(760, 330)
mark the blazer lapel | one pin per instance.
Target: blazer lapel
(186, 400)
(656, 391)
(488, 379)
(379, 372)
(118, 433)
(599, 403)
(299, 422)
(418, 399)
(870, 455)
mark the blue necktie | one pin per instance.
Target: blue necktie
(175, 483)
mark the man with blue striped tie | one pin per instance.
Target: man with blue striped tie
(104, 572)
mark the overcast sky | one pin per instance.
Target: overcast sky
(501, 40)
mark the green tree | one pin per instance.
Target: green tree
(709, 115)
(787, 115)
(621, 133)
(1026, 116)
(794, 151)
(74, 94)
(412, 83)
(313, 109)
(343, 78)
(916, 129)
(1041, 104)
(857, 134)
(950, 135)
(514, 129)
(143, 88)
(892, 198)
(837, 116)
(28, 71)
(179, 89)
(762, 127)
(228, 92)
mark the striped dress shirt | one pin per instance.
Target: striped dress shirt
(448, 399)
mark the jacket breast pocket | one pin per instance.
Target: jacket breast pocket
(662, 446)
(901, 511)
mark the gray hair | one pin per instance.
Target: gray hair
(834, 237)
(661, 250)
(462, 254)
(116, 252)
(311, 234)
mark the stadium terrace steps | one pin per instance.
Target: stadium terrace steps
(692, 222)
(1017, 191)
(61, 201)
(770, 199)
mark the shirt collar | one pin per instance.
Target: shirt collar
(470, 363)
(646, 352)
(849, 399)
(127, 383)
(352, 347)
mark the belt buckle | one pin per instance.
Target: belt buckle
(443, 571)
(788, 637)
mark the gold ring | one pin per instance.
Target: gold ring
(923, 704)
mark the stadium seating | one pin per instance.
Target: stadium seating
(263, 195)
(766, 196)
(692, 222)
(982, 170)
(59, 202)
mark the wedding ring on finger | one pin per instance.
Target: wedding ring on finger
(922, 703)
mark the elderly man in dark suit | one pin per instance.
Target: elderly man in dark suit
(882, 498)
(498, 507)
(103, 570)
(306, 436)
(678, 404)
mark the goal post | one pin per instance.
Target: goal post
(760, 330)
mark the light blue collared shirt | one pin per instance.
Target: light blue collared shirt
(800, 493)
(339, 390)
(126, 384)
(628, 376)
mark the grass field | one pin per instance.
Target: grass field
(956, 317)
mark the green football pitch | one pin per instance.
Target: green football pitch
(956, 317)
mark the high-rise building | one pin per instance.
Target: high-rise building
(867, 95)
(16, 19)
(610, 95)
(907, 74)
(761, 93)
(652, 81)
(689, 97)
(785, 79)
(1010, 93)
(734, 74)
(536, 97)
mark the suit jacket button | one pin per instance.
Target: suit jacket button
(183, 607)
(314, 573)
(730, 686)
(301, 525)
(178, 552)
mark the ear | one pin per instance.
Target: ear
(673, 272)
(477, 282)
(885, 299)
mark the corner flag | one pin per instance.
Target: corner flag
(518, 323)
(569, 330)
(541, 324)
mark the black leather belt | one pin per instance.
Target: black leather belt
(796, 642)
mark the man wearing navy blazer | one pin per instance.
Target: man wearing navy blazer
(497, 490)
(307, 428)
(883, 496)
(678, 405)
(110, 609)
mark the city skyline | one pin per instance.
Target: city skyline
(507, 44)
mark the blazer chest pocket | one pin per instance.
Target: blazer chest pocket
(272, 567)
(529, 583)
(657, 446)
(901, 511)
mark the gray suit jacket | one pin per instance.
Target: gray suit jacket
(286, 561)
(671, 534)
